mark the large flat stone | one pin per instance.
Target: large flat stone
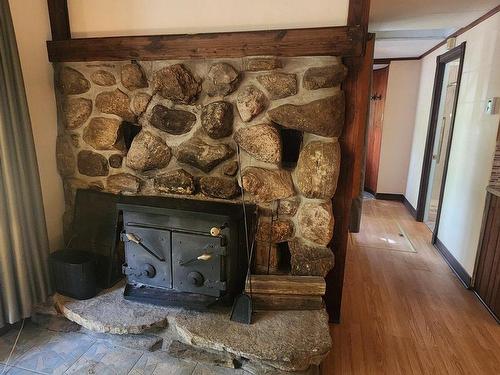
(289, 340)
(172, 121)
(176, 82)
(147, 152)
(267, 184)
(219, 187)
(92, 164)
(109, 312)
(318, 169)
(279, 85)
(315, 222)
(217, 119)
(103, 78)
(324, 76)
(133, 77)
(262, 141)
(72, 82)
(309, 260)
(115, 103)
(323, 117)
(222, 79)
(76, 111)
(104, 133)
(202, 155)
(267, 346)
(250, 102)
(175, 182)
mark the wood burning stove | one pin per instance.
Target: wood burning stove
(190, 256)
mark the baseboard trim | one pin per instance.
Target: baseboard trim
(456, 267)
(487, 307)
(390, 197)
(410, 208)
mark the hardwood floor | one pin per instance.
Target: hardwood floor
(405, 312)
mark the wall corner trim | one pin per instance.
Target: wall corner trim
(455, 266)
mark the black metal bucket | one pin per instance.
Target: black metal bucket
(73, 273)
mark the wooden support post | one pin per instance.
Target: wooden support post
(59, 19)
(357, 92)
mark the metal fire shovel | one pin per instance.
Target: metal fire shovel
(242, 309)
(242, 306)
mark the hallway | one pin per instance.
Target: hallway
(405, 312)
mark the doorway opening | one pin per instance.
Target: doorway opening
(439, 137)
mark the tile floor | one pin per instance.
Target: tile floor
(41, 351)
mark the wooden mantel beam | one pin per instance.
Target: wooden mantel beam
(347, 41)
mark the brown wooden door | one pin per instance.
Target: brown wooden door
(375, 122)
(487, 273)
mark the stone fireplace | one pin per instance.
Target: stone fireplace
(260, 129)
(172, 128)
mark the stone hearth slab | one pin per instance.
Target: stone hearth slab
(284, 340)
(109, 312)
(288, 340)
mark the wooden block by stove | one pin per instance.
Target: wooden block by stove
(266, 255)
(286, 284)
(266, 302)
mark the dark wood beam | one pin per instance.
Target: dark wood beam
(357, 92)
(59, 19)
(359, 13)
(334, 41)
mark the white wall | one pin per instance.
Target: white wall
(31, 24)
(138, 17)
(473, 144)
(133, 17)
(397, 130)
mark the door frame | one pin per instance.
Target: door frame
(441, 61)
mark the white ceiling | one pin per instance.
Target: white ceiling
(408, 28)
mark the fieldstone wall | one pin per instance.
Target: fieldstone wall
(173, 128)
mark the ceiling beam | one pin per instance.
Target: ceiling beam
(323, 41)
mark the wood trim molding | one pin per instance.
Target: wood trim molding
(462, 30)
(333, 41)
(59, 19)
(456, 267)
(390, 197)
(410, 208)
(389, 59)
(441, 61)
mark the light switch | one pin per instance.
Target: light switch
(492, 106)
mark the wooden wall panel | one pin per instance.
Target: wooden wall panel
(375, 126)
(487, 275)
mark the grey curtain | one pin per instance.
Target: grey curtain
(23, 235)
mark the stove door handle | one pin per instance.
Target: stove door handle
(205, 256)
(135, 239)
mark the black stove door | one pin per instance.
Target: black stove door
(198, 264)
(144, 268)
